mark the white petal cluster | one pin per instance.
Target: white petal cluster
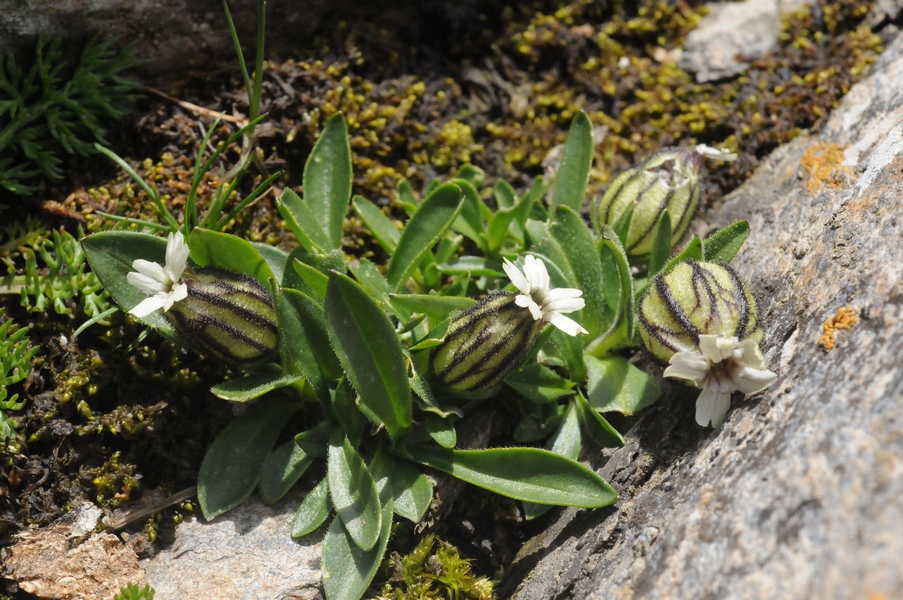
(544, 303)
(715, 153)
(161, 283)
(721, 367)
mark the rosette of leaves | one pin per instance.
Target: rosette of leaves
(53, 109)
(356, 339)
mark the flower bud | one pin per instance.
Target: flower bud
(700, 318)
(692, 299)
(484, 344)
(669, 180)
(227, 315)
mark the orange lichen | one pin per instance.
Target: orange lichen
(844, 318)
(824, 163)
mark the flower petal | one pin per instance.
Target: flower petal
(537, 274)
(148, 285)
(563, 304)
(712, 406)
(527, 302)
(565, 324)
(751, 381)
(516, 277)
(176, 255)
(148, 305)
(716, 348)
(688, 365)
(715, 153)
(150, 269)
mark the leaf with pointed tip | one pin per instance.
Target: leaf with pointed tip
(313, 510)
(255, 384)
(327, 180)
(231, 468)
(576, 161)
(302, 221)
(411, 490)
(527, 474)
(384, 230)
(693, 250)
(724, 244)
(281, 469)
(424, 230)
(368, 348)
(539, 383)
(353, 493)
(598, 427)
(661, 244)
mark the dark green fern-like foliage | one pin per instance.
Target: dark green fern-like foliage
(52, 109)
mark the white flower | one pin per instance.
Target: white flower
(161, 283)
(715, 153)
(721, 367)
(544, 303)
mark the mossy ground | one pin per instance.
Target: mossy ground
(118, 410)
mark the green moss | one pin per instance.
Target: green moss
(430, 572)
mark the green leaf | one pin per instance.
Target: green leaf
(566, 442)
(621, 227)
(231, 467)
(539, 384)
(441, 430)
(368, 348)
(348, 570)
(576, 161)
(434, 306)
(661, 244)
(497, 229)
(313, 510)
(275, 258)
(524, 207)
(255, 384)
(724, 244)
(372, 280)
(615, 385)
(583, 266)
(327, 180)
(226, 251)
(315, 441)
(111, 254)
(304, 339)
(281, 469)
(344, 403)
(598, 428)
(476, 266)
(411, 490)
(384, 230)
(571, 349)
(527, 474)
(353, 493)
(505, 196)
(617, 269)
(302, 221)
(693, 250)
(538, 424)
(422, 231)
(470, 220)
(309, 272)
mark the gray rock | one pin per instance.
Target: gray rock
(733, 34)
(248, 553)
(798, 494)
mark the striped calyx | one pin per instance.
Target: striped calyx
(692, 299)
(483, 345)
(669, 180)
(227, 315)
